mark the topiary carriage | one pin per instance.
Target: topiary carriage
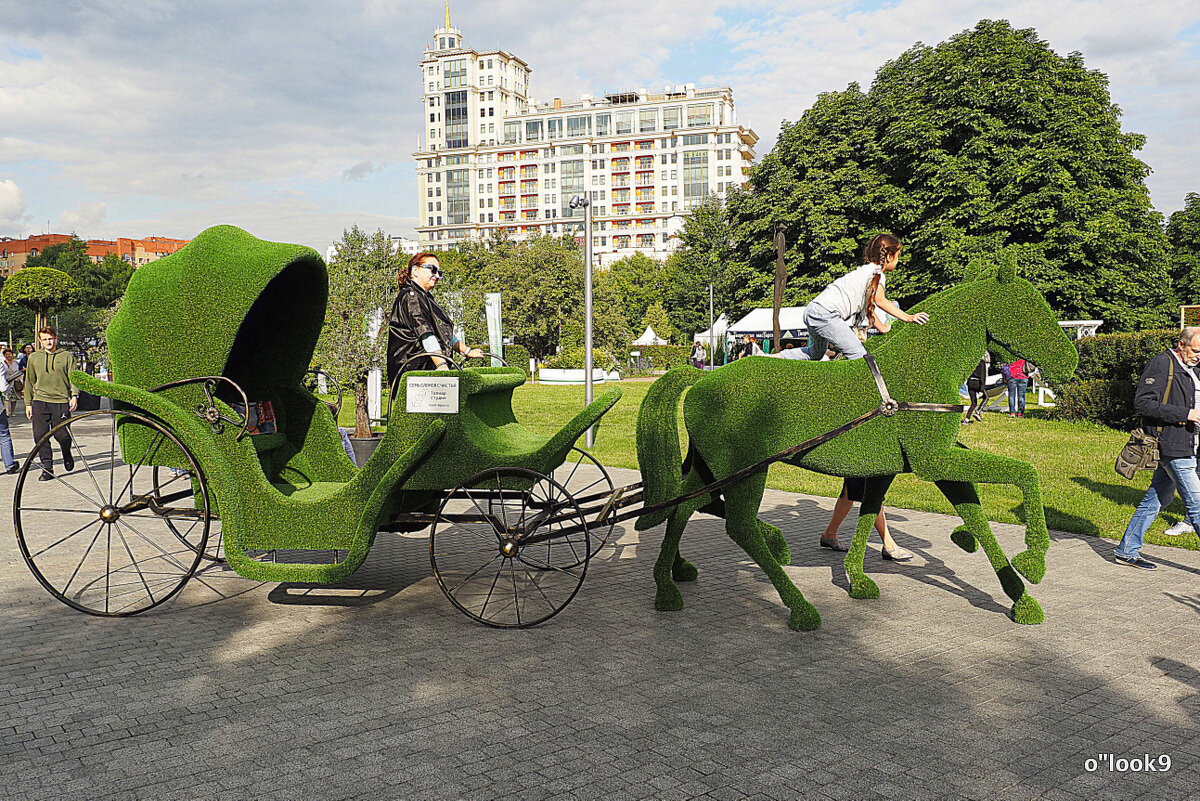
(218, 337)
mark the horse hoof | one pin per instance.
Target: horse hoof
(1031, 565)
(1028, 611)
(683, 570)
(669, 600)
(963, 538)
(863, 587)
(805, 618)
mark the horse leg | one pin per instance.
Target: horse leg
(683, 570)
(742, 501)
(963, 496)
(670, 566)
(961, 464)
(775, 542)
(861, 586)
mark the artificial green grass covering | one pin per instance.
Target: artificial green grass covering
(485, 433)
(231, 305)
(750, 410)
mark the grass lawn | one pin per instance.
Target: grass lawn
(1081, 492)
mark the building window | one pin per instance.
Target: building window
(456, 119)
(695, 177)
(579, 126)
(603, 124)
(671, 116)
(695, 139)
(533, 131)
(647, 120)
(624, 122)
(512, 132)
(699, 115)
(554, 128)
(571, 176)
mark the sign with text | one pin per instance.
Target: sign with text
(432, 394)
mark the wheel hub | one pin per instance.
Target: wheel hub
(508, 547)
(109, 513)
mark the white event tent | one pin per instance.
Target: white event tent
(648, 338)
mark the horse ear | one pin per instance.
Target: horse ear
(972, 271)
(1008, 268)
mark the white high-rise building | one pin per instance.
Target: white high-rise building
(493, 158)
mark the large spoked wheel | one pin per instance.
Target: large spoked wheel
(101, 537)
(509, 547)
(588, 483)
(167, 481)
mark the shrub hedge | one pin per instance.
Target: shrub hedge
(1109, 365)
(517, 356)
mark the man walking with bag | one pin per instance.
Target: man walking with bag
(1168, 399)
(50, 397)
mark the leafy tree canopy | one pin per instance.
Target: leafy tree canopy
(39, 289)
(985, 142)
(1183, 237)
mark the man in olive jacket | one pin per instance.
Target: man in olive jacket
(50, 397)
(1167, 400)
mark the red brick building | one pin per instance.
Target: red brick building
(15, 252)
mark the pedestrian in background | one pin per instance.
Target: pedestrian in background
(50, 397)
(1018, 385)
(1167, 400)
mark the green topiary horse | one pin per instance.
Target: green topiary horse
(755, 408)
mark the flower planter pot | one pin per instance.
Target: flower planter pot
(363, 447)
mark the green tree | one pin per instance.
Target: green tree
(703, 258)
(638, 281)
(39, 289)
(1183, 237)
(988, 141)
(362, 283)
(656, 317)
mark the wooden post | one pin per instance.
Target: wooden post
(780, 281)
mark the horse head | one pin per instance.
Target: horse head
(1020, 324)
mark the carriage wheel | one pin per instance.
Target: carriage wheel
(102, 537)
(510, 558)
(589, 484)
(166, 481)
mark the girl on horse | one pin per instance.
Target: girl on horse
(829, 316)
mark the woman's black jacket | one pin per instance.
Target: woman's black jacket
(1167, 418)
(414, 314)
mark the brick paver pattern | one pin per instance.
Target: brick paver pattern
(381, 689)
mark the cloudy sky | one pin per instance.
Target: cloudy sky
(297, 119)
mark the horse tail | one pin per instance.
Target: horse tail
(658, 442)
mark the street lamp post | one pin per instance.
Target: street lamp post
(584, 201)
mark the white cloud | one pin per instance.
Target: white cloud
(221, 111)
(12, 208)
(85, 216)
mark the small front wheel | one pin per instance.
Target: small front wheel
(103, 536)
(509, 547)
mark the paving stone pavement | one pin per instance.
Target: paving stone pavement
(381, 689)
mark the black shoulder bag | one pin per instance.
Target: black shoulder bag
(1141, 451)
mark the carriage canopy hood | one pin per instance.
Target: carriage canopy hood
(226, 304)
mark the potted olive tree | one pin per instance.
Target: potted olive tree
(362, 284)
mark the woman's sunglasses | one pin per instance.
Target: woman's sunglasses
(433, 269)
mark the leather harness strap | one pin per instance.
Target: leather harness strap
(888, 407)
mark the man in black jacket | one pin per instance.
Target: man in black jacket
(1166, 399)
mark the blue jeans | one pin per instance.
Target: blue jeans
(1171, 475)
(825, 328)
(6, 449)
(1016, 394)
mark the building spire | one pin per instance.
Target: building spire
(447, 23)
